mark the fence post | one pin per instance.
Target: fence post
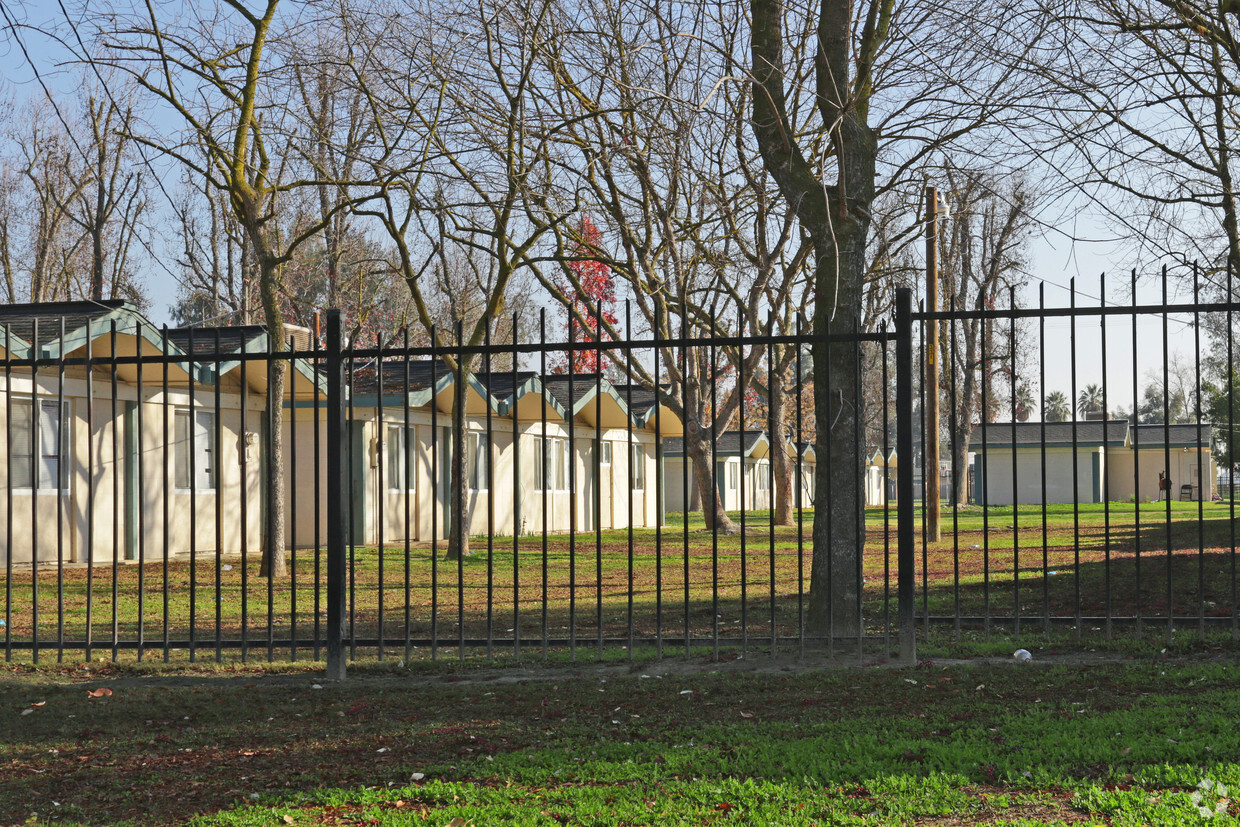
(905, 556)
(336, 493)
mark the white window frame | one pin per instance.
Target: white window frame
(552, 477)
(733, 475)
(65, 438)
(397, 447)
(638, 458)
(211, 450)
(763, 473)
(476, 446)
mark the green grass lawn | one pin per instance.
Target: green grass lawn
(675, 584)
(1114, 744)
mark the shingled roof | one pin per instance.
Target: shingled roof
(22, 319)
(230, 339)
(1152, 436)
(726, 444)
(1087, 434)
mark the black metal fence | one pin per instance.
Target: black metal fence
(143, 468)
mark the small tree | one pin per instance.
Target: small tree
(592, 292)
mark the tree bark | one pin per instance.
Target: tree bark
(458, 499)
(274, 563)
(782, 463)
(698, 452)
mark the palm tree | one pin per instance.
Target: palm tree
(1089, 400)
(1057, 408)
(1024, 403)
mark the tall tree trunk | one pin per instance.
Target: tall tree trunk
(274, 562)
(839, 495)
(459, 504)
(698, 452)
(782, 463)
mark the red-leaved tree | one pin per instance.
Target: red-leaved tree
(592, 291)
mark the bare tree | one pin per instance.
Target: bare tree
(208, 69)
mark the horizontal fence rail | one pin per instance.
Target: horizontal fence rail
(669, 496)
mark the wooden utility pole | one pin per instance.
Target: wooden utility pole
(930, 488)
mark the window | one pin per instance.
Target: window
(764, 476)
(401, 470)
(195, 447)
(555, 470)
(639, 467)
(733, 476)
(49, 442)
(476, 453)
(606, 451)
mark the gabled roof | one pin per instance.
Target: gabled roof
(204, 339)
(22, 319)
(727, 444)
(1180, 436)
(1030, 434)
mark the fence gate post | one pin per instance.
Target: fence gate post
(905, 555)
(336, 505)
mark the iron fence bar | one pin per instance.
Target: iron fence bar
(830, 499)
(270, 541)
(437, 489)
(859, 512)
(904, 448)
(1201, 477)
(628, 428)
(355, 465)
(1076, 478)
(8, 494)
(167, 515)
(1136, 460)
(659, 481)
(518, 510)
(925, 477)
(62, 454)
(1106, 467)
(292, 503)
(985, 460)
(460, 459)
(336, 504)
(1166, 384)
(714, 464)
(140, 510)
(685, 500)
(886, 499)
(191, 438)
(114, 446)
(1231, 456)
(956, 474)
(598, 480)
(778, 440)
(1015, 454)
(572, 492)
(244, 514)
(801, 500)
(409, 442)
(490, 482)
(216, 469)
(741, 474)
(34, 501)
(547, 475)
(381, 485)
(1046, 567)
(318, 495)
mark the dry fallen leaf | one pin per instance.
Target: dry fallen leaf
(39, 703)
(288, 819)
(101, 692)
(745, 714)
